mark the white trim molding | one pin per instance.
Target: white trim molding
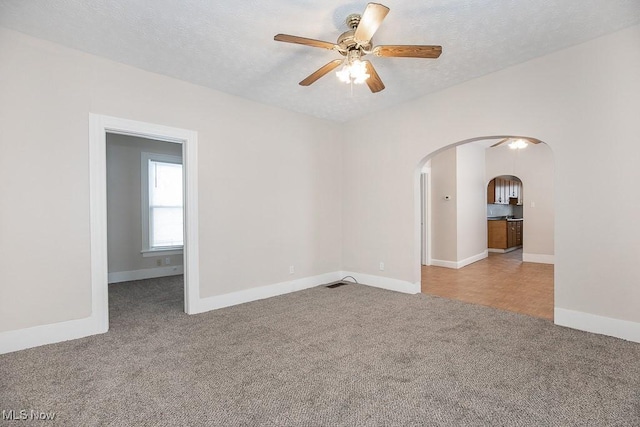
(145, 191)
(268, 291)
(262, 292)
(443, 263)
(47, 334)
(160, 252)
(147, 273)
(99, 126)
(462, 263)
(504, 251)
(624, 329)
(384, 282)
(538, 258)
(34, 336)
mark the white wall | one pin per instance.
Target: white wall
(124, 202)
(534, 166)
(273, 183)
(269, 179)
(444, 225)
(471, 202)
(459, 226)
(585, 109)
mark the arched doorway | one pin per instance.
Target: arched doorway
(454, 225)
(505, 214)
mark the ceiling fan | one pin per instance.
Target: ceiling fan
(356, 43)
(517, 143)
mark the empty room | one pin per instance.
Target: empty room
(284, 213)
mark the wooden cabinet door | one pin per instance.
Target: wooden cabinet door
(497, 234)
(491, 191)
(504, 194)
(519, 230)
(511, 234)
(500, 191)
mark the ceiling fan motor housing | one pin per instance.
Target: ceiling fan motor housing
(357, 42)
(353, 20)
(347, 42)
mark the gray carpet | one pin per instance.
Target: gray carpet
(351, 356)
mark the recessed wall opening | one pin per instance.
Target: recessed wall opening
(145, 220)
(486, 228)
(144, 138)
(505, 214)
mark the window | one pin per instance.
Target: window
(162, 209)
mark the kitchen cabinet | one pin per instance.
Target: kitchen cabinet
(502, 191)
(504, 234)
(491, 192)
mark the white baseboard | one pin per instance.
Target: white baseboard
(459, 264)
(268, 291)
(262, 292)
(443, 263)
(475, 258)
(504, 251)
(63, 331)
(147, 273)
(48, 334)
(384, 282)
(624, 329)
(539, 258)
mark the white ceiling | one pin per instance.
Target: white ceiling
(229, 46)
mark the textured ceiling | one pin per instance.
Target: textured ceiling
(229, 46)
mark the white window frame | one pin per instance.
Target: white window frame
(147, 250)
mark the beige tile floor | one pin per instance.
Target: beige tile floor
(502, 281)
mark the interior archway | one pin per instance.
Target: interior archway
(454, 211)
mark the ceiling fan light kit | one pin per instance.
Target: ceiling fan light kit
(356, 43)
(517, 143)
(353, 69)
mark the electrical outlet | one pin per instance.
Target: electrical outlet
(381, 266)
(167, 261)
(158, 262)
(292, 270)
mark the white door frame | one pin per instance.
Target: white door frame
(425, 216)
(99, 126)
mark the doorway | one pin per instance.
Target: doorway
(145, 221)
(505, 214)
(457, 222)
(99, 127)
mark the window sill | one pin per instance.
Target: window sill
(148, 253)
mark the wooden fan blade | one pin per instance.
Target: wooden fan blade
(408, 51)
(321, 72)
(502, 141)
(370, 22)
(374, 82)
(304, 41)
